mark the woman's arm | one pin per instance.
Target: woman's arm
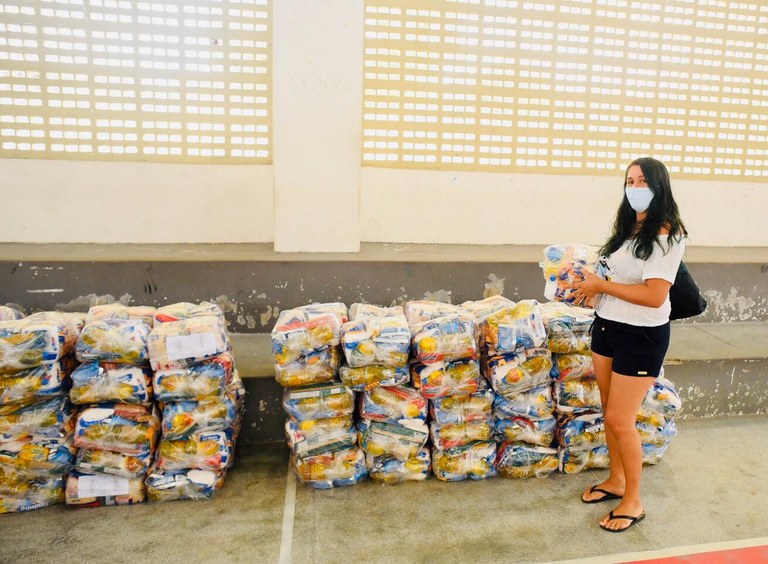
(650, 293)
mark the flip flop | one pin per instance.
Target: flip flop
(632, 521)
(607, 497)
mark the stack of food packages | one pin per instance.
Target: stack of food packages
(580, 429)
(117, 422)
(36, 416)
(392, 429)
(320, 428)
(201, 397)
(445, 368)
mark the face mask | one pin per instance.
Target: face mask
(639, 198)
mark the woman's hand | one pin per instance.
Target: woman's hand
(586, 289)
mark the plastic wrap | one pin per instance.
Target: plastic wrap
(114, 340)
(473, 461)
(540, 432)
(376, 340)
(315, 367)
(120, 311)
(568, 327)
(38, 383)
(454, 435)
(446, 339)
(657, 436)
(53, 418)
(563, 265)
(33, 457)
(179, 344)
(518, 460)
(300, 331)
(585, 431)
(319, 401)
(188, 483)
(69, 326)
(662, 399)
(514, 373)
(114, 463)
(652, 454)
(391, 470)
(24, 345)
(572, 366)
(360, 311)
(393, 404)
(334, 469)
(577, 396)
(93, 382)
(370, 377)
(419, 311)
(572, 461)
(514, 329)
(403, 442)
(536, 403)
(185, 310)
(181, 419)
(119, 427)
(484, 308)
(440, 379)
(97, 490)
(209, 450)
(206, 380)
(11, 312)
(316, 436)
(458, 409)
(18, 495)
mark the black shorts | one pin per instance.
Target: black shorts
(635, 350)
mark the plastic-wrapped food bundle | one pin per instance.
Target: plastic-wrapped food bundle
(519, 460)
(31, 385)
(317, 436)
(319, 401)
(576, 460)
(572, 366)
(69, 326)
(114, 340)
(32, 457)
(179, 344)
(376, 340)
(188, 483)
(448, 338)
(539, 432)
(19, 494)
(207, 379)
(568, 327)
(120, 311)
(209, 450)
(458, 409)
(450, 436)
(420, 311)
(119, 427)
(577, 396)
(11, 312)
(378, 438)
(536, 403)
(96, 490)
(514, 329)
(361, 311)
(315, 367)
(657, 436)
(474, 461)
(513, 373)
(92, 461)
(185, 310)
(24, 345)
(585, 431)
(300, 331)
(93, 382)
(180, 419)
(482, 309)
(563, 265)
(394, 404)
(441, 379)
(370, 377)
(332, 469)
(53, 418)
(392, 470)
(661, 403)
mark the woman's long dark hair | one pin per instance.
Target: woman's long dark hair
(662, 213)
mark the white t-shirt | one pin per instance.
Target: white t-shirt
(625, 268)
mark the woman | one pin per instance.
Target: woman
(630, 334)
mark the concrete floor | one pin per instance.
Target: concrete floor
(710, 487)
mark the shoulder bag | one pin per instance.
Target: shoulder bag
(684, 296)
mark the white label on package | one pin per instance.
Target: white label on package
(98, 486)
(191, 346)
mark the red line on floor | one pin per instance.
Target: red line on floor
(749, 555)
